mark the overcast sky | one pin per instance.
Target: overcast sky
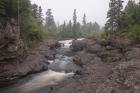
(95, 10)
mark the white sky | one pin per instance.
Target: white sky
(95, 10)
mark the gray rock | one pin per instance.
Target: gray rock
(11, 45)
(94, 48)
(79, 45)
(133, 53)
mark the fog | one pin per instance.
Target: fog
(95, 10)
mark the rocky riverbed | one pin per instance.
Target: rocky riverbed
(106, 68)
(53, 64)
(92, 66)
(34, 60)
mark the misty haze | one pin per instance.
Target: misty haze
(69, 46)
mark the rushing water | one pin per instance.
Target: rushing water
(59, 69)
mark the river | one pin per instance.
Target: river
(60, 69)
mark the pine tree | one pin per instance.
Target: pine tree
(74, 24)
(50, 23)
(9, 8)
(96, 27)
(40, 16)
(35, 10)
(114, 22)
(64, 27)
(2, 8)
(131, 15)
(74, 17)
(70, 26)
(84, 27)
(84, 19)
(49, 18)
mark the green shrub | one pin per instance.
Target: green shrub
(99, 34)
(34, 32)
(135, 33)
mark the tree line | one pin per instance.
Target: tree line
(73, 28)
(34, 26)
(123, 21)
(28, 17)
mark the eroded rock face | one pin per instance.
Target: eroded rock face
(11, 45)
(36, 61)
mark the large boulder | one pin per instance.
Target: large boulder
(50, 54)
(53, 44)
(83, 58)
(102, 42)
(79, 45)
(94, 48)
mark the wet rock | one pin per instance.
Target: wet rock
(53, 44)
(34, 62)
(94, 48)
(78, 45)
(102, 42)
(50, 55)
(82, 58)
(133, 53)
(77, 61)
(108, 47)
(16, 69)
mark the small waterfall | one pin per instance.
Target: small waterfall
(66, 43)
(59, 69)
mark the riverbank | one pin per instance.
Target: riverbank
(35, 60)
(100, 66)
(106, 68)
(59, 68)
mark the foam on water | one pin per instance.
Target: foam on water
(50, 77)
(66, 43)
(80, 38)
(44, 79)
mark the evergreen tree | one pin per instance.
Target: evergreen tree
(114, 14)
(2, 8)
(35, 10)
(84, 19)
(70, 26)
(25, 14)
(49, 18)
(9, 8)
(74, 24)
(89, 27)
(40, 15)
(131, 15)
(96, 27)
(50, 23)
(64, 27)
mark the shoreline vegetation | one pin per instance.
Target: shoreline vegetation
(106, 54)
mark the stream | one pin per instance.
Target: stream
(60, 69)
